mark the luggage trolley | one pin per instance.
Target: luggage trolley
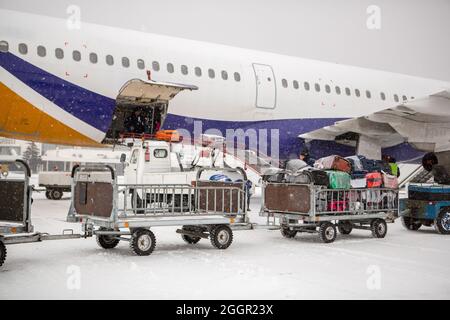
(316, 209)
(115, 212)
(15, 208)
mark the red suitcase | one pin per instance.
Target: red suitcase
(337, 206)
(374, 180)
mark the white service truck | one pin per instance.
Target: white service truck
(55, 183)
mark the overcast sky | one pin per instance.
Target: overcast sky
(413, 37)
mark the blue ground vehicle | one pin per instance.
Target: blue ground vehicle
(427, 205)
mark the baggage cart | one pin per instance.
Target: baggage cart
(15, 209)
(317, 209)
(115, 212)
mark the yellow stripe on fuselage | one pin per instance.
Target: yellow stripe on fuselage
(19, 119)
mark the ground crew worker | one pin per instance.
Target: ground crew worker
(304, 156)
(395, 170)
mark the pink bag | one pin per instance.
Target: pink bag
(390, 181)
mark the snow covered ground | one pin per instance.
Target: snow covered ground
(259, 265)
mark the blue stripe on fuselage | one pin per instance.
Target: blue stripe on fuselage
(97, 110)
(94, 109)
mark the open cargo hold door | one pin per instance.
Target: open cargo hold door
(142, 107)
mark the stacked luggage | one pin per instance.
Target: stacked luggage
(336, 172)
(368, 173)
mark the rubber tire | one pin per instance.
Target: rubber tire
(287, 233)
(324, 230)
(106, 242)
(407, 223)
(137, 235)
(438, 221)
(48, 195)
(379, 228)
(345, 227)
(56, 194)
(215, 235)
(3, 253)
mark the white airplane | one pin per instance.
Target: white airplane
(63, 86)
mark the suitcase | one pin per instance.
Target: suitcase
(375, 165)
(299, 178)
(339, 180)
(295, 165)
(355, 162)
(440, 174)
(318, 177)
(333, 163)
(358, 183)
(337, 206)
(390, 181)
(374, 180)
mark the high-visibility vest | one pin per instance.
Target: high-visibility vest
(394, 169)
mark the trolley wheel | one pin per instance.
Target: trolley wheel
(442, 221)
(2, 253)
(327, 232)
(379, 228)
(221, 236)
(189, 239)
(56, 194)
(48, 194)
(142, 242)
(106, 241)
(288, 233)
(410, 224)
(345, 227)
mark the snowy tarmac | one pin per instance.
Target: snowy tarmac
(260, 264)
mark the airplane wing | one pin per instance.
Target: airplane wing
(424, 123)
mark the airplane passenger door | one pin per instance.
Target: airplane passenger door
(266, 91)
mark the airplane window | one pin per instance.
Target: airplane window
(368, 94)
(125, 62)
(295, 84)
(4, 47)
(224, 75)
(338, 90)
(237, 77)
(109, 60)
(284, 83)
(211, 73)
(317, 87)
(347, 91)
(198, 71)
(23, 48)
(170, 68)
(306, 85)
(184, 69)
(76, 55)
(59, 53)
(328, 89)
(404, 98)
(93, 58)
(140, 64)
(357, 93)
(396, 98)
(383, 96)
(155, 65)
(41, 51)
